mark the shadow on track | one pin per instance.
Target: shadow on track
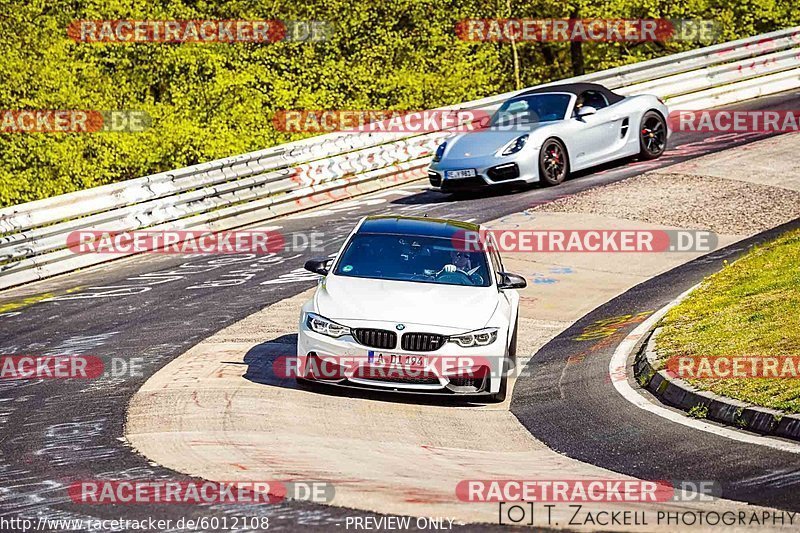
(272, 362)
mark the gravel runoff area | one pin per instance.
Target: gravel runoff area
(724, 206)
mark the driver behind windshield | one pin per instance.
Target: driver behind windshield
(418, 258)
(578, 105)
(460, 261)
(531, 109)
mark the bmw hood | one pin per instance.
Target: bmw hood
(481, 143)
(342, 298)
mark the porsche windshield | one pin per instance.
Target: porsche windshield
(410, 258)
(531, 109)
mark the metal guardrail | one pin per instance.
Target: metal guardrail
(253, 187)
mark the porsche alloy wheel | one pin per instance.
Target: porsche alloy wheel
(652, 136)
(553, 163)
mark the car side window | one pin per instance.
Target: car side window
(594, 99)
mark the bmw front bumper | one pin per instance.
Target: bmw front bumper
(449, 370)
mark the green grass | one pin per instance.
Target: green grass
(750, 308)
(699, 411)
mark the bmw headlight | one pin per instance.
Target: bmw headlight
(322, 325)
(480, 337)
(516, 145)
(439, 153)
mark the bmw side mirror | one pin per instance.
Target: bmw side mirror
(512, 281)
(317, 266)
(586, 110)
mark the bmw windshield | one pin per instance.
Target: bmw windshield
(410, 258)
(531, 109)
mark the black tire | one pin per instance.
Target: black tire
(303, 383)
(553, 162)
(500, 396)
(652, 136)
(509, 363)
(512, 345)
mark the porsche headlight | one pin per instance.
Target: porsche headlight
(322, 325)
(516, 145)
(439, 153)
(480, 337)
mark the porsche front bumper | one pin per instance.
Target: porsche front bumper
(490, 171)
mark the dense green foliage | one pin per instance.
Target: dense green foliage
(212, 100)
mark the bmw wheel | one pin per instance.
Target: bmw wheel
(509, 363)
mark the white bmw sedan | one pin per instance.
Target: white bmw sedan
(410, 304)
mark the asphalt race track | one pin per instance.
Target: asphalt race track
(595, 424)
(153, 308)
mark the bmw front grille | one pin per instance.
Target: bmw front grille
(376, 338)
(422, 342)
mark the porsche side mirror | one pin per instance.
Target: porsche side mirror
(317, 266)
(512, 281)
(586, 110)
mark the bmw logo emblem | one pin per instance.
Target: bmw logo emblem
(400, 327)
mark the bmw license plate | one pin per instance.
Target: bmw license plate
(458, 174)
(401, 360)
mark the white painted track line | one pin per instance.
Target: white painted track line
(619, 363)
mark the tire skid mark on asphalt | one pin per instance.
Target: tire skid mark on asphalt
(782, 478)
(146, 282)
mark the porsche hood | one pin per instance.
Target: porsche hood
(484, 142)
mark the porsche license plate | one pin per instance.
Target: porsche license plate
(459, 174)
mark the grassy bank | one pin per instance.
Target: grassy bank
(750, 308)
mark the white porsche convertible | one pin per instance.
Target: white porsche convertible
(544, 134)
